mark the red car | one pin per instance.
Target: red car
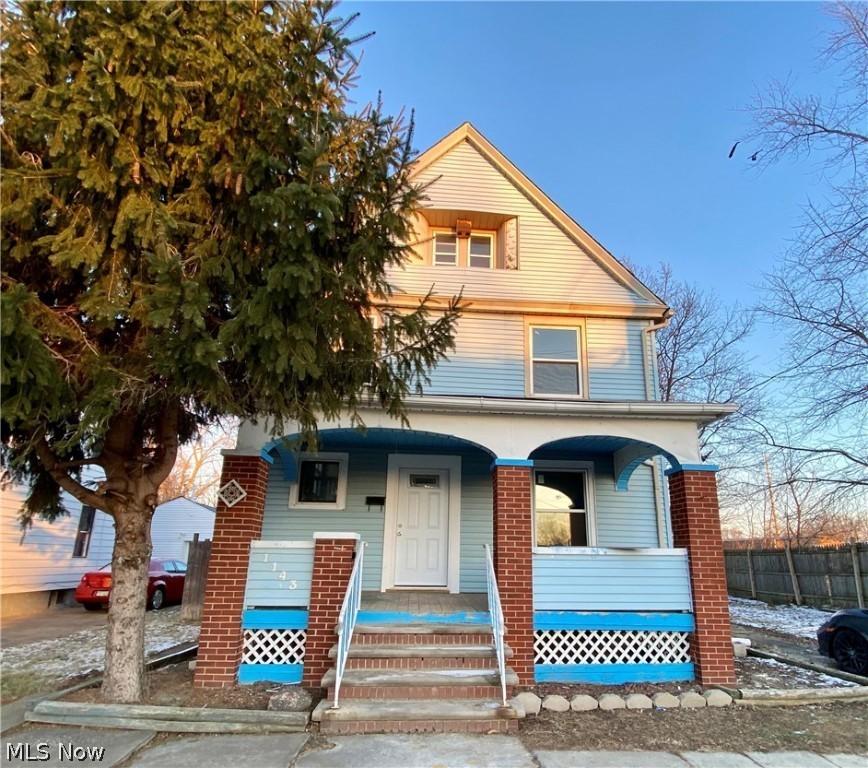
(165, 585)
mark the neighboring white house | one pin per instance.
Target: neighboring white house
(40, 565)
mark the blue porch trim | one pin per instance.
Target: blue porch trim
(512, 463)
(614, 620)
(613, 674)
(404, 617)
(274, 619)
(272, 673)
(691, 468)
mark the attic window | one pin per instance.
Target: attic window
(481, 251)
(445, 249)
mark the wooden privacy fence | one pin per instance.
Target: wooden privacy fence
(829, 577)
(194, 583)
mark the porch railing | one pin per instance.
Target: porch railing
(347, 620)
(496, 612)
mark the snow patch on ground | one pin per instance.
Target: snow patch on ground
(789, 619)
(84, 651)
(755, 672)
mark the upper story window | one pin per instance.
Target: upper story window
(556, 361)
(85, 527)
(475, 250)
(445, 249)
(322, 482)
(563, 509)
(480, 251)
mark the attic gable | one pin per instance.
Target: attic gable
(465, 173)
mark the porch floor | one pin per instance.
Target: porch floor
(423, 602)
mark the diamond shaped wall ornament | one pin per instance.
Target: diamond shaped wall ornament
(231, 493)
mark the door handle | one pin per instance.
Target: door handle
(399, 533)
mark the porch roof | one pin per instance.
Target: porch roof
(509, 428)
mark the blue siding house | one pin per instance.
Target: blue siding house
(543, 506)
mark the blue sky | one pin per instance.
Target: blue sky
(624, 113)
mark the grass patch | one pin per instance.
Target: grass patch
(14, 685)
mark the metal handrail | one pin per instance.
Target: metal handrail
(497, 626)
(347, 620)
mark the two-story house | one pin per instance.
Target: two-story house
(544, 518)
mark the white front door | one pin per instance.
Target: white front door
(422, 528)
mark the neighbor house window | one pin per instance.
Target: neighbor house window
(562, 508)
(556, 367)
(480, 251)
(85, 527)
(321, 482)
(445, 249)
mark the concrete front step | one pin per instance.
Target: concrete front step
(421, 650)
(419, 677)
(411, 656)
(423, 628)
(422, 662)
(420, 638)
(416, 716)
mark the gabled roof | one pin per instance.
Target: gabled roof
(467, 132)
(192, 501)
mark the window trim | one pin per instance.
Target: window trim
(587, 468)
(490, 237)
(582, 360)
(434, 261)
(340, 501)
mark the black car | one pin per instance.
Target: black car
(844, 638)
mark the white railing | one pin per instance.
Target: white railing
(347, 619)
(496, 612)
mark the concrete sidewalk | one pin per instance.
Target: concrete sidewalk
(139, 749)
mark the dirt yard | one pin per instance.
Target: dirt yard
(819, 728)
(173, 686)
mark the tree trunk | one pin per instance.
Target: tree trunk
(124, 680)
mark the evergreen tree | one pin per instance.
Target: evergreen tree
(195, 225)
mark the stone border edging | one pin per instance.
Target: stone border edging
(528, 703)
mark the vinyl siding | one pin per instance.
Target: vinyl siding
(611, 582)
(367, 477)
(625, 518)
(551, 266)
(279, 577)
(174, 524)
(41, 558)
(615, 360)
(490, 358)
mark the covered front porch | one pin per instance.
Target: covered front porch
(596, 568)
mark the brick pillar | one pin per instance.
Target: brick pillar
(513, 563)
(696, 526)
(234, 528)
(333, 558)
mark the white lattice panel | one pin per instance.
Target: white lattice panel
(273, 646)
(593, 646)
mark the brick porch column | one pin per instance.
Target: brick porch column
(696, 526)
(513, 564)
(333, 558)
(220, 638)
